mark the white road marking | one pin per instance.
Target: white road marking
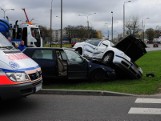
(152, 111)
(148, 100)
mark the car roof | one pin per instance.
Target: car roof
(37, 48)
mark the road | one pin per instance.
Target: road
(39, 107)
(151, 48)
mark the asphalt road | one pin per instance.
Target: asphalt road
(40, 107)
(151, 48)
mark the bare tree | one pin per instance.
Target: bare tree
(132, 26)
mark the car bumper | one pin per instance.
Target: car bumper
(19, 90)
(128, 69)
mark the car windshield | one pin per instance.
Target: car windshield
(94, 42)
(4, 43)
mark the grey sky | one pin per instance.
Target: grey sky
(39, 10)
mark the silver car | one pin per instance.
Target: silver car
(121, 56)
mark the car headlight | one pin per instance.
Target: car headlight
(18, 77)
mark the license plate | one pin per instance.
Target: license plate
(38, 87)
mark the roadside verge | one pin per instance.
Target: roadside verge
(82, 92)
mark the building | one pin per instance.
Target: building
(56, 35)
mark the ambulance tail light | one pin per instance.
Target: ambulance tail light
(18, 77)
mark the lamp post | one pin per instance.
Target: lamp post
(51, 22)
(124, 17)
(107, 31)
(87, 20)
(61, 35)
(112, 27)
(143, 27)
(4, 11)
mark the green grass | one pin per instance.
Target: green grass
(150, 62)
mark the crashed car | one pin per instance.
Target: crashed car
(64, 63)
(121, 56)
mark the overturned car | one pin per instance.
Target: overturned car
(121, 56)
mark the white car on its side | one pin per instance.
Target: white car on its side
(122, 55)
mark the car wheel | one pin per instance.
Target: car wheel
(79, 50)
(108, 58)
(98, 75)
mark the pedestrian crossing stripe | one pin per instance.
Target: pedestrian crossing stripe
(154, 111)
(150, 111)
(148, 100)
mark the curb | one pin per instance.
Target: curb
(82, 92)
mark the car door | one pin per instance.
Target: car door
(89, 48)
(47, 61)
(77, 66)
(101, 48)
(132, 47)
(61, 62)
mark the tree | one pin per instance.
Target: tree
(150, 34)
(45, 33)
(158, 32)
(132, 26)
(81, 32)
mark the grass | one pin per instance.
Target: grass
(150, 62)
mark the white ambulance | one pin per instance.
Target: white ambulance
(19, 75)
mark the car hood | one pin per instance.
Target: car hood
(132, 47)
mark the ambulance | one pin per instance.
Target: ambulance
(19, 75)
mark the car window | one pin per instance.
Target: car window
(42, 54)
(61, 54)
(73, 57)
(94, 42)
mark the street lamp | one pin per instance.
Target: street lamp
(51, 22)
(87, 20)
(61, 36)
(124, 17)
(107, 31)
(143, 27)
(112, 27)
(4, 11)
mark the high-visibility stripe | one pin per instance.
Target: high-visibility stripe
(4, 80)
(20, 70)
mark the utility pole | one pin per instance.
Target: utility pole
(112, 27)
(61, 36)
(124, 17)
(51, 23)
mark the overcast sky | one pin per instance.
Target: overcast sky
(39, 11)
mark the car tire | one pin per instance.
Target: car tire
(108, 58)
(98, 75)
(79, 51)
